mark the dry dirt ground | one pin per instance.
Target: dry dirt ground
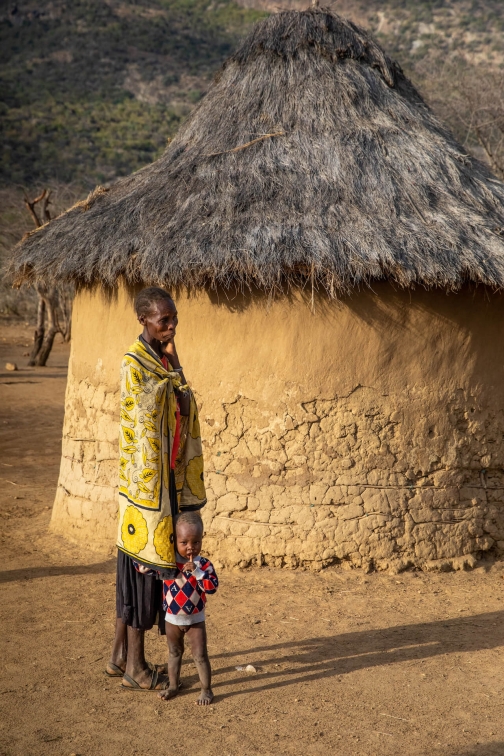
(347, 663)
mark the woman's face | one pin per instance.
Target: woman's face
(161, 322)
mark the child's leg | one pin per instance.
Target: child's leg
(196, 635)
(175, 638)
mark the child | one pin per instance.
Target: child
(184, 603)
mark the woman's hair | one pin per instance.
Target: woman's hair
(146, 298)
(190, 518)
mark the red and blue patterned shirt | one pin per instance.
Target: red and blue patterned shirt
(184, 597)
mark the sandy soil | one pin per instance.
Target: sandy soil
(347, 663)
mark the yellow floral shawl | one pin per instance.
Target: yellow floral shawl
(148, 424)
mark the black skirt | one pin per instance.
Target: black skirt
(139, 597)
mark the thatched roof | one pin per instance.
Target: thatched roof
(312, 158)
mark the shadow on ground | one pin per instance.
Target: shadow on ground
(310, 659)
(29, 573)
(480, 749)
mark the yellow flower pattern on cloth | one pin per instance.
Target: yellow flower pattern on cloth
(163, 538)
(147, 431)
(195, 430)
(134, 530)
(194, 477)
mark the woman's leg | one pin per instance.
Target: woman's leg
(196, 635)
(138, 673)
(119, 648)
(175, 638)
(138, 599)
(136, 666)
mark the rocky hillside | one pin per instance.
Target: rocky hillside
(92, 89)
(414, 29)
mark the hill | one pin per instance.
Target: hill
(92, 89)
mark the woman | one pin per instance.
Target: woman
(160, 474)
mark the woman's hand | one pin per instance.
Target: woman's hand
(170, 350)
(184, 399)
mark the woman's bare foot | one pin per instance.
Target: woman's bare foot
(205, 698)
(169, 693)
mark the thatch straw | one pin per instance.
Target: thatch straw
(311, 159)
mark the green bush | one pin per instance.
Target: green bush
(68, 111)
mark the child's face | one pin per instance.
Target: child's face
(189, 539)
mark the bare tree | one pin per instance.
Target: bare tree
(470, 100)
(485, 116)
(54, 311)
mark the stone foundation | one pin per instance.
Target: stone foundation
(348, 479)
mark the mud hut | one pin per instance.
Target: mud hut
(337, 259)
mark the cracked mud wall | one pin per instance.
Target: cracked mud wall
(369, 431)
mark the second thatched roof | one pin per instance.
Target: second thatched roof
(312, 158)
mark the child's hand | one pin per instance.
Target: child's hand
(189, 567)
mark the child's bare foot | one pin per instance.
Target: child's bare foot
(205, 698)
(169, 693)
